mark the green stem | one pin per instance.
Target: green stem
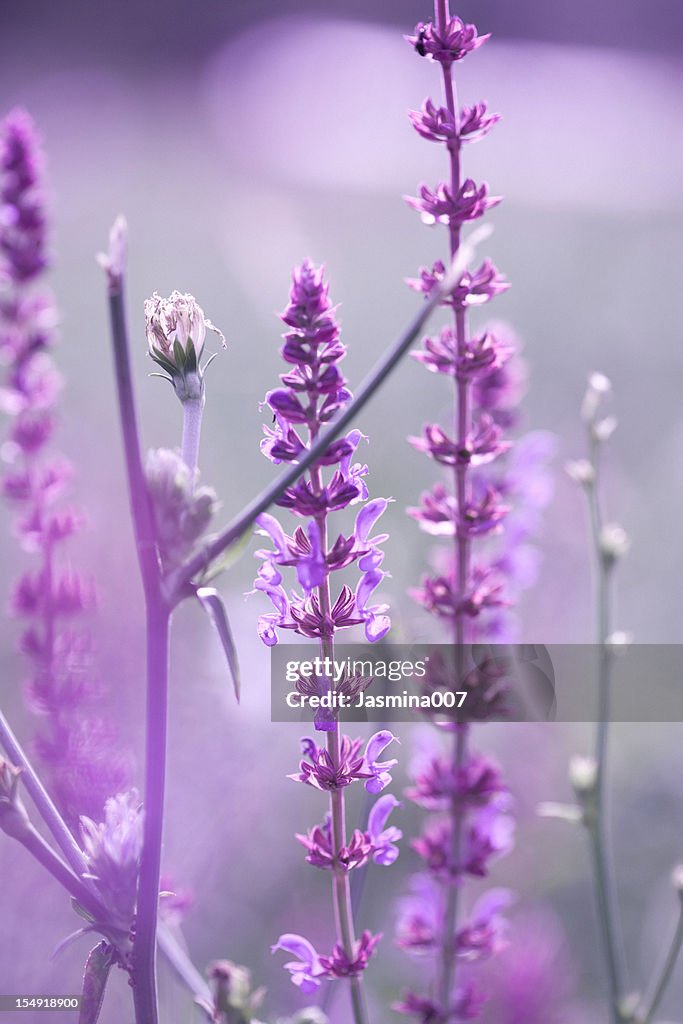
(193, 409)
(41, 798)
(600, 851)
(665, 973)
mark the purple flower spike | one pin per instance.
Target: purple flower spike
(475, 512)
(307, 971)
(383, 838)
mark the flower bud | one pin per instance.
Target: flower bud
(583, 775)
(581, 472)
(176, 331)
(598, 387)
(13, 817)
(113, 262)
(603, 429)
(677, 879)
(614, 543)
(182, 511)
(233, 996)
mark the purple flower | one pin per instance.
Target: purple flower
(112, 849)
(446, 44)
(339, 965)
(482, 444)
(321, 853)
(384, 851)
(378, 771)
(484, 934)
(319, 770)
(75, 746)
(440, 784)
(442, 206)
(307, 970)
(436, 124)
(22, 214)
(419, 919)
(475, 122)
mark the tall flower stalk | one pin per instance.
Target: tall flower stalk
(589, 775)
(313, 391)
(469, 825)
(77, 747)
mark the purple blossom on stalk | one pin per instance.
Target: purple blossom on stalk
(112, 849)
(470, 825)
(311, 393)
(77, 747)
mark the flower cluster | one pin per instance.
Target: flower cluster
(79, 753)
(112, 849)
(312, 391)
(182, 511)
(469, 824)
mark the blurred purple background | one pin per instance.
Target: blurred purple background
(239, 138)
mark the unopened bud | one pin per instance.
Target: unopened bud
(581, 472)
(182, 511)
(113, 262)
(583, 775)
(13, 817)
(176, 331)
(598, 387)
(619, 640)
(603, 429)
(677, 879)
(614, 542)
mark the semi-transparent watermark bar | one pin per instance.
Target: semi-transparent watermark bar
(475, 682)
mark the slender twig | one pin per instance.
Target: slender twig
(143, 522)
(52, 862)
(596, 823)
(447, 966)
(176, 582)
(665, 973)
(158, 619)
(192, 427)
(42, 800)
(183, 966)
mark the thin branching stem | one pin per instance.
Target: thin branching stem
(158, 622)
(597, 824)
(665, 972)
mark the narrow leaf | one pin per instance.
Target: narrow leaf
(95, 975)
(212, 603)
(226, 560)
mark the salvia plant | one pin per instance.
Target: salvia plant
(469, 822)
(322, 572)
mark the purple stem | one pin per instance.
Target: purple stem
(158, 622)
(446, 978)
(341, 890)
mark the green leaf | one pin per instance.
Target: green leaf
(225, 560)
(190, 357)
(212, 603)
(179, 355)
(95, 975)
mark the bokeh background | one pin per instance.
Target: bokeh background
(239, 138)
